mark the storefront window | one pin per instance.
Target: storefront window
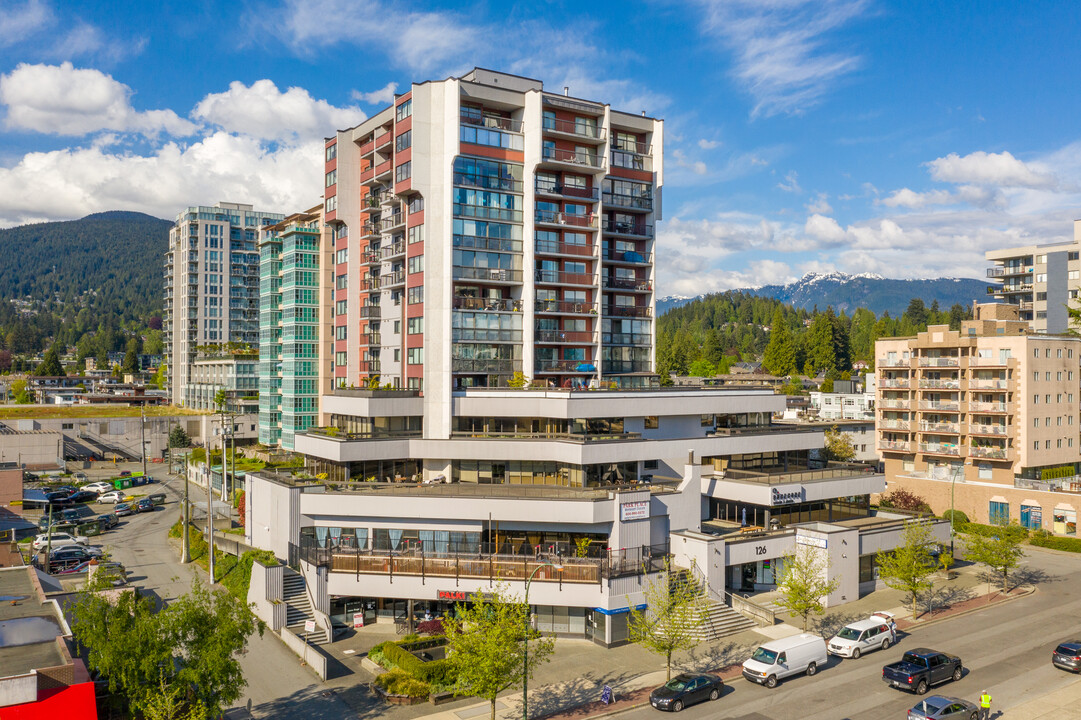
(999, 513)
(868, 563)
(1065, 521)
(1031, 516)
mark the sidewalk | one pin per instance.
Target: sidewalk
(1062, 704)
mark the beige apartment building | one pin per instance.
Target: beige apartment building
(1040, 280)
(985, 418)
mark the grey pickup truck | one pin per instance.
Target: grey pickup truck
(921, 668)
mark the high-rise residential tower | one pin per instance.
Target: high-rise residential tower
(212, 299)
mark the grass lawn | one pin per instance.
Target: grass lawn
(45, 412)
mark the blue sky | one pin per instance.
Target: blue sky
(897, 138)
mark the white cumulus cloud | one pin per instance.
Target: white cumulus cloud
(382, 96)
(263, 111)
(983, 168)
(65, 100)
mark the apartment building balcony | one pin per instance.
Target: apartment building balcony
(549, 247)
(371, 229)
(1011, 289)
(392, 222)
(925, 384)
(371, 257)
(996, 272)
(894, 362)
(370, 282)
(562, 219)
(486, 212)
(632, 159)
(560, 337)
(989, 453)
(627, 367)
(628, 257)
(990, 362)
(558, 277)
(392, 279)
(474, 242)
(628, 229)
(895, 403)
(995, 430)
(644, 339)
(472, 365)
(940, 406)
(988, 407)
(485, 335)
(896, 383)
(560, 307)
(894, 425)
(565, 367)
(938, 362)
(369, 366)
(1009, 270)
(491, 122)
(572, 159)
(489, 182)
(558, 189)
(495, 276)
(589, 132)
(949, 449)
(993, 385)
(633, 311)
(628, 203)
(487, 304)
(372, 338)
(895, 445)
(951, 428)
(627, 284)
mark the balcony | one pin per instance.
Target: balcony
(630, 257)
(901, 383)
(1013, 288)
(639, 203)
(941, 449)
(549, 337)
(627, 339)
(894, 362)
(370, 339)
(484, 335)
(558, 189)
(371, 228)
(548, 247)
(627, 284)
(641, 311)
(492, 122)
(392, 221)
(372, 257)
(988, 407)
(895, 404)
(628, 229)
(996, 429)
(626, 367)
(565, 367)
(471, 365)
(996, 272)
(489, 182)
(572, 158)
(558, 277)
(393, 278)
(370, 366)
(629, 160)
(895, 445)
(940, 384)
(549, 217)
(1007, 270)
(978, 384)
(561, 307)
(394, 250)
(487, 275)
(485, 212)
(951, 407)
(370, 311)
(487, 304)
(939, 362)
(571, 128)
(474, 242)
(989, 362)
(370, 282)
(989, 453)
(894, 425)
(931, 427)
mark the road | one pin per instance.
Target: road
(1005, 649)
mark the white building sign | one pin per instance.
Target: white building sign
(786, 495)
(634, 511)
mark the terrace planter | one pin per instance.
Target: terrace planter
(395, 699)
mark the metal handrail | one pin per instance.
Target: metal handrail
(745, 607)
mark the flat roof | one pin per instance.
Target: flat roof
(38, 653)
(802, 476)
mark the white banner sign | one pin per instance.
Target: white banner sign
(634, 511)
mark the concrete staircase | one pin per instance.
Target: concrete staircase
(299, 607)
(719, 620)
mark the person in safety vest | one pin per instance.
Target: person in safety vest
(985, 705)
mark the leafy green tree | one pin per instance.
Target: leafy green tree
(1001, 553)
(780, 356)
(186, 651)
(50, 364)
(154, 343)
(803, 585)
(827, 385)
(674, 611)
(20, 393)
(702, 368)
(839, 446)
(518, 380)
(909, 567)
(486, 642)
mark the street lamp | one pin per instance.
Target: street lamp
(525, 637)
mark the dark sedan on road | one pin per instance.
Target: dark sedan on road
(108, 522)
(684, 690)
(143, 505)
(1068, 656)
(122, 509)
(83, 496)
(939, 707)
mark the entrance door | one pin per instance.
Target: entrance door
(748, 577)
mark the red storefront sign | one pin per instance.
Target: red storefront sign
(452, 595)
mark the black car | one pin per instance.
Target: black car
(108, 522)
(57, 496)
(1068, 656)
(82, 496)
(70, 553)
(684, 690)
(143, 505)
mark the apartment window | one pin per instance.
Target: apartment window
(1069, 442)
(1041, 296)
(1035, 352)
(1047, 352)
(1041, 277)
(1035, 376)
(416, 234)
(403, 141)
(1069, 419)
(1035, 399)
(341, 256)
(1058, 420)
(339, 359)
(1058, 443)
(652, 422)
(1058, 376)
(1047, 399)
(651, 464)
(1047, 421)
(416, 204)
(331, 204)
(397, 355)
(706, 421)
(341, 307)
(332, 178)
(1035, 444)
(1069, 397)
(1058, 397)
(340, 282)
(1046, 444)
(415, 326)
(1069, 354)
(403, 171)
(332, 152)
(415, 383)
(1035, 422)
(1058, 353)
(984, 471)
(1047, 376)
(999, 513)
(403, 111)
(415, 295)
(415, 356)
(1069, 374)
(1041, 259)
(340, 332)
(416, 264)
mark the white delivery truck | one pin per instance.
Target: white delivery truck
(779, 659)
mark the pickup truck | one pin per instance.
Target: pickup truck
(921, 668)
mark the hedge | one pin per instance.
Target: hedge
(958, 517)
(439, 673)
(1014, 531)
(399, 682)
(1044, 539)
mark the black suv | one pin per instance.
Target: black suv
(1068, 656)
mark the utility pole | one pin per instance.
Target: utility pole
(142, 436)
(185, 550)
(49, 542)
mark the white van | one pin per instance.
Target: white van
(874, 633)
(781, 658)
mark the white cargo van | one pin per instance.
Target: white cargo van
(781, 658)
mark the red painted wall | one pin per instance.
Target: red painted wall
(75, 702)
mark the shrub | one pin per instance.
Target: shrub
(399, 682)
(1042, 538)
(430, 627)
(904, 500)
(238, 579)
(971, 528)
(438, 673)
(959, 518)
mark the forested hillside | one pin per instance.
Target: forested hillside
(706, 335)
(95, 281)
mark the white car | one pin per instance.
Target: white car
(59, 539)
(113, 496)
(98, 487)
(875, 633)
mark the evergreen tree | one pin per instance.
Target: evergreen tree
(842, 348)
(50, 364)
(916, 312)
(780, 356)
(821, 353)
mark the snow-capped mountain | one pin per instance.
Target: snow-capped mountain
(848, 292)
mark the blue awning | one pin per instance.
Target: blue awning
(619, 611)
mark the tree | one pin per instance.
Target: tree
(186, 652)
(804, 584)
(21, 394)
(154, 343)
(917, 313)
(674, 611)
(486, 643)
(178, 437)
(910, 565)
(50, 364)
(904, 500)
(130, 366)
(821, 354)
(839, 446)
(780, 356)
(702, 368)
(1001, 553)
(518, 380)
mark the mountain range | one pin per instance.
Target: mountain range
(846, 292)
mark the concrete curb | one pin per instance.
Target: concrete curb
(927, 623)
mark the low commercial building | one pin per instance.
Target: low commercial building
(984, 419)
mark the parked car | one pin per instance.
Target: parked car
(83, 496)
(862, 636)
(157, 498)
(108, 522)
(125, 473)
(143, 505)
(98, 487)
(1068, 656)
(89, 550)
(779, 659)
(684, 690)
(921, 668)
(66, 489)
(113, 496)
(940, 707)
(122, 509)
(55, 496)
(58, 539)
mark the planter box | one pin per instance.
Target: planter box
(441, 698)
(395, 699)
(371, 666)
